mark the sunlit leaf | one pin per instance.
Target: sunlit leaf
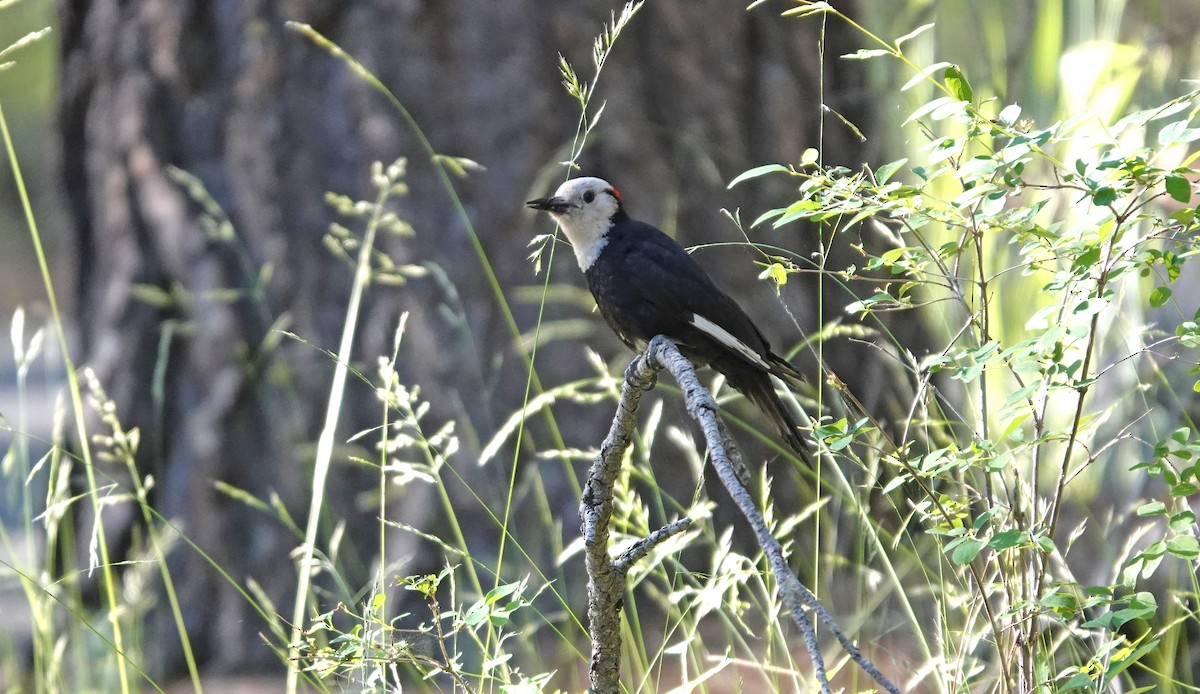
(966, 551)
(884, 173)
(1160, 296)
(914, 33)
(958, 84)
(1179, 188)
(1184, 547)
(756, 172)
(1007, 539)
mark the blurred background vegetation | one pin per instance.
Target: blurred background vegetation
(28, 92)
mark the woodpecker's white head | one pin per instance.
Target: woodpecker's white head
(584, 208)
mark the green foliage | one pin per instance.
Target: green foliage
(1041, 260)
(373, 654)
(1047, 461)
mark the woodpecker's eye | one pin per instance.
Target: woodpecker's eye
(589, 196)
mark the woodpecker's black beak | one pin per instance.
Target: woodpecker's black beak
(551, 205)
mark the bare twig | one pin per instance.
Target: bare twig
(606, 578)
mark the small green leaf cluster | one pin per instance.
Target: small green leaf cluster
(375, 650)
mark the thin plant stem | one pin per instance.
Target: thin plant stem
(108, 579)
(324, 455)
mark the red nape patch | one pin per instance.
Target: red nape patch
(615, 193)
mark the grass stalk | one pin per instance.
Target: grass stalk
(325, 443)
(107, 574)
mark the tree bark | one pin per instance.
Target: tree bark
(696, 93)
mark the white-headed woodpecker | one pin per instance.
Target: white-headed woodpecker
(646, 284)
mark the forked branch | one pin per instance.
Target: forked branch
(606, 577)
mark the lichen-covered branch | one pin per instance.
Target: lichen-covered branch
(606, 577)
(728, 462)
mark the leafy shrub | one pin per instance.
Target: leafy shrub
(1049, 450)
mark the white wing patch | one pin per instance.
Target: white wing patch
(724, 337)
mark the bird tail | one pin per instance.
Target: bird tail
(784, 371)
(761, 392)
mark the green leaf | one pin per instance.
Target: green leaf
(832, 429)
(1179, 188)
(849, 125)
(952, 108)
(958, 84)
(984, 518)
(798, 210)
(756, 172)
(769, 214)
(1184, 547)
(914, 33)
(866, 54)
(1104, 196)
(1080, 680)
(1104, 621)
(1182, 521)
(1154, 508)
(1120, 664)
(1177, 133)
(1007, 539)
(896, 482)
(1184, 489)
(501, 591)
(1160, 296)
(966, 551)
(776, 272)
(1009, 114)
(475, 615)
(1086, 260)
(1144, 603)
(883, 173)
(923, 75)
(1061, 602)
(1141, 606)
(840, 443)
(805, 10)
(890, 256)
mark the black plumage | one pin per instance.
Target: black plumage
(646, 284)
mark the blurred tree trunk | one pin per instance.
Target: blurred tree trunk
(696, 92)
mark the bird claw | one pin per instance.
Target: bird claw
(634, 374)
